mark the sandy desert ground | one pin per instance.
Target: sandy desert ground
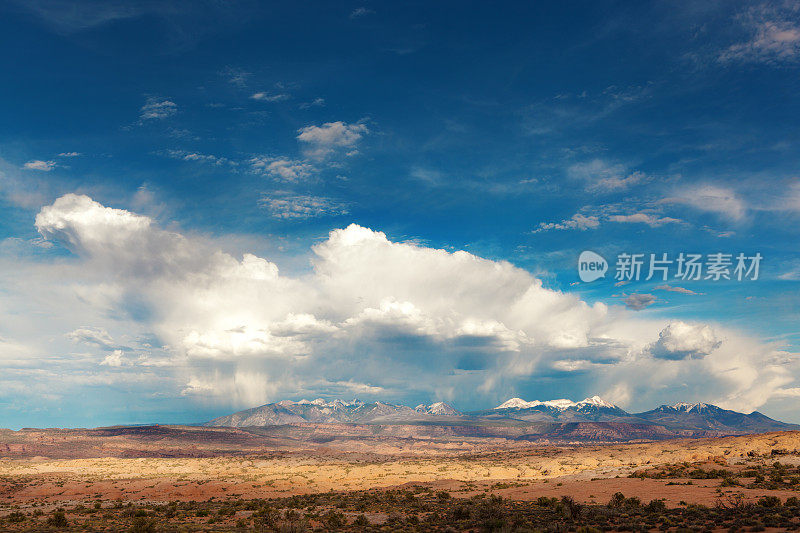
(50, 469)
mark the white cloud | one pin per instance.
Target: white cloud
(653, 221)
(195, 156)
(716, 199)
(603, 177)
(96, 336)
(267, 97)
(791, 201)
(236, 76)
(69, 154)
(157, 108)
(322, 141)
(115, 359)
(360, 12)
(774, 35)
(398, 318)
(637, 302)
(672, 288)
(316, 102)
(282, 168)
(583, 222)
(302, 206)
(578, 221)
(680, 340)
(37, 164)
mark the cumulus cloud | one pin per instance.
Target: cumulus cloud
(115, 359)
(378, 316)
(331, 137)
(38, 164)
(157, 108)
(680, 340)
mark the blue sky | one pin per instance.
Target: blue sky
(155, 155)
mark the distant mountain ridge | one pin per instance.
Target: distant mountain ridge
(594, 408)
(519, 403)
(328, 412)
(592, 416)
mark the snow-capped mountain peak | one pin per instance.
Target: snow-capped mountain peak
(319, 402)
(599, 402)
(560, 404)
(516, 403)
(438, 408)
(688, 407)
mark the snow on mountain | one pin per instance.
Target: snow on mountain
(333, 411)
(438, 408)
(561, 404)
(319, 402)
(688, 407)
(680, 417)
(517, 403)
(598, 401)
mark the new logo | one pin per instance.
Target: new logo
(591, 266)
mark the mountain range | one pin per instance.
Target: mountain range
(329, 412)
(588, 419)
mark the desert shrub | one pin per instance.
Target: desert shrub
(265, 518)
(15, 517)
(58, 519)
(656, 506)
(617, 500)
(544, 501)
(714, 473)
(769, 501)
(572, 509)
(460, 512)
(491, 513)
(334, 520)
(296, 526)
(141, 524)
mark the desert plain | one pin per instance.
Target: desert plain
(217, 479)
